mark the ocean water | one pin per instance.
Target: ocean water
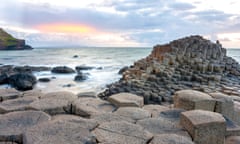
(109, 59)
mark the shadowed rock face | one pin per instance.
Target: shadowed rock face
(188, 63)
(7, 42)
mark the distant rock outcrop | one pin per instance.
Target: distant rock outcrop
(8, 42)
(188, 63)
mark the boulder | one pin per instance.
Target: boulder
(11, 93)
(170, 139)
(58, 132)
(14, 124)
(3, 79)
(44, 79)
(155, 110)
(82, 68)
(121, 133)
(88, 107)
(22, 81)
(205, 127)
(62, 70)
(122, 70)
(19, 104)
(80, 77)
(133, 112)
(126, 100)
(191, 99)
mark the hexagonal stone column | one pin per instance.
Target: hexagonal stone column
(191, 99)
(205, 127)
(126, 100)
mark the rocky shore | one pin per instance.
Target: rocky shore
(188, 63)
(184, 92)
(34, 117)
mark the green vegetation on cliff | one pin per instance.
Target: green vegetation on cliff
(6, 39)
(8, 42)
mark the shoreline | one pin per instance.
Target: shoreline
(154, 101)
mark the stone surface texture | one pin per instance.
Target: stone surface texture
(205, 127)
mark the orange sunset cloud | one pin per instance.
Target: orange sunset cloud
(65, 28)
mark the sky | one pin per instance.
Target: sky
(121, 23)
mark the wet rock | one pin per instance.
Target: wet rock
(121, 132)
(82, 68)
(80, 77)
(122, 70)
(22, 81)
(75, 56)
(62, 70)
(3, 79)
(44, 79)
(14, 124)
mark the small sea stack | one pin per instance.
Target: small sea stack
(188, 63)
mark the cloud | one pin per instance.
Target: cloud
(147, 22)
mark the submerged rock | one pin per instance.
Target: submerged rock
(62, 70)
(80, 77)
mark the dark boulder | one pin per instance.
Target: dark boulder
(62, 70)
(75, 56)
(22, 81)
(44, 79)
(3, 79)
(122, 70)
(80, 77)
(80, 68)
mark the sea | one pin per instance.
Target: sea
(108, 61)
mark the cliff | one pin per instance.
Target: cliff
(187, 63)
(8, 42)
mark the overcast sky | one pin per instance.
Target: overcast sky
(120, 22)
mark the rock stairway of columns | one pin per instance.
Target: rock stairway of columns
(188, 63)
(205, 114)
